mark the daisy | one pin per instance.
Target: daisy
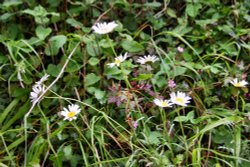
(180, 98)
(104, 28)
(43, 79)
(71, 112)
(163, 103)
(37, 90)
(118, 60)
(239, 84)
(149, 58)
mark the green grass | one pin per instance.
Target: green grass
(120, 123)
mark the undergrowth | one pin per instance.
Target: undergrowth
(164, 83)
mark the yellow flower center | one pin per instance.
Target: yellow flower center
(237, 85)
(179, 100)
(164, 104)
(117, 61)
(71, 114)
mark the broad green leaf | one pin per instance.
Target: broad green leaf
(91, 79)
(142, 77)
(106, 43)
(171, 12)
(154, 137)
(55, 43)
(53, 70)
(132, 46)
(181, 119)
(42, 32)
(99, 94)
(8, 3)
(73, 66)
(193, 9)
(93, 49)
(67, 150)
(93, 61)
(74, 23)
(179, 70)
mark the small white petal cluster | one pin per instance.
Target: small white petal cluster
(163, 103)
(104, 28)
(71, 112)
(38, 89)
(118, 60)
(180, 98)
(43, 79)
(237, 83)
(146, 59)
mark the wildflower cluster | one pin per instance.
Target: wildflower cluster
(178, 98)
(38, 89)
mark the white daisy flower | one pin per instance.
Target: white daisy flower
(71, 112)
(37, 90)
(118, 60)
(242, 83)
(43, 79)
(148, 58)
(163, 103)
(104, 28)
(180, 98)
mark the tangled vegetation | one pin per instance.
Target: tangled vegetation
(125, 83)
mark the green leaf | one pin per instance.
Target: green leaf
(181, 119)
(73, 66)
(67, 151)
(93, 49)
(154, 137)
(91, 79)
(106, 43)
(99, 94)
(142, 77)
(179, 70)
(193, 9)
(42, 32)
(53, 70)
(74, 23)
(55, 43)
(132, 46)
(171, 13)
(93, 61)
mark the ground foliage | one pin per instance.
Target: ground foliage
(119, 125)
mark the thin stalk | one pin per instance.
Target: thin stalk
(109, 40)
